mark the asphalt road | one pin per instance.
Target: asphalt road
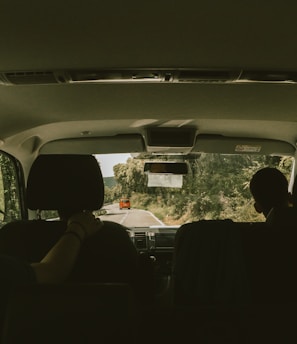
(130, 217)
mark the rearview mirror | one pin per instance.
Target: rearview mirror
(179, 168)
(165, 173)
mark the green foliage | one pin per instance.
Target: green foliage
(217, 188)
(130, 177)
(109, 182)
(9, 196)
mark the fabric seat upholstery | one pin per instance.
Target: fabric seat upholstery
(71, 183)
(70, 313)
(65, 182)
(224, 263)
(208, 265)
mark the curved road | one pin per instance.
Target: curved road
(130, 217)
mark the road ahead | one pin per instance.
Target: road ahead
(130, 217)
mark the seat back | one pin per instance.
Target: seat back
(208, 264)
(236, 324)
(70, 313)
(69, 183)
(30, 240)
(270, 257)
(55, 182)
(221, 262)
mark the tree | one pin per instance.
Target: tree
(217, 187)
(10, 206)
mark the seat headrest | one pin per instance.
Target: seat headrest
(65, 182)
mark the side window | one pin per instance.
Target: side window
(49, 215)
(10, 205)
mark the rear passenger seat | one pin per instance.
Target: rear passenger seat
(75, 313)
(223, 262)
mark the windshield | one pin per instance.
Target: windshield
(216, 187)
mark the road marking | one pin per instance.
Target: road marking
(124, 218)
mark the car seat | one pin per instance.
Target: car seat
(70, 183)
(70, 313)
(270, 258)
(208, 265)
(223, 262)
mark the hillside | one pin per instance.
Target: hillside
(110, 182)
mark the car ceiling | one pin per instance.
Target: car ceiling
(119, 35)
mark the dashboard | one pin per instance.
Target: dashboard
(153, 239)
(158, 244)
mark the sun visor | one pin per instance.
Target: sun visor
(238, 145)
(96, 145)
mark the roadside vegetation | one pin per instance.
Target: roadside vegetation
(217, 188)
(9, 204)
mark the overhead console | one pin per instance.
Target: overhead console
(170, 140)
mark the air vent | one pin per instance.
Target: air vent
(140, 240)
(32, 78)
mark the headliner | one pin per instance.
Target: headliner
(55, 35)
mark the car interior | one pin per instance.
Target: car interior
(168, 85)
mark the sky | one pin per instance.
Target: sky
(107, 161)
